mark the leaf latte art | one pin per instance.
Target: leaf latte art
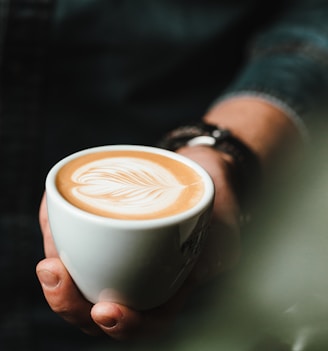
(131, 186)
(126, 186)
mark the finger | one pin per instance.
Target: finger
(63, 297)
(122, 323)
(221, 252)
(48, 242)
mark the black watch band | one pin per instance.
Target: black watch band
(246, 171)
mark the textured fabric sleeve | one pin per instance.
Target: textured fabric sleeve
(287, 62)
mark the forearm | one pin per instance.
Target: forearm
(264, 128)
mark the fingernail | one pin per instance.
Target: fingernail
(109, 315)
(109, 323)
(48, 279)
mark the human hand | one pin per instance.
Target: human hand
(120, 322)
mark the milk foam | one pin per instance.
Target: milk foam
(126, 185)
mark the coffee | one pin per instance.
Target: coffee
(127, 184)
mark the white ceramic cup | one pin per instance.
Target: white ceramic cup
(138, 263)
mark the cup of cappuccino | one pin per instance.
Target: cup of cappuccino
(129, 221)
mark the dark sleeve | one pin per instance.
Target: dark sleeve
(288, 61)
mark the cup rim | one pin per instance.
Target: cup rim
(200, 207)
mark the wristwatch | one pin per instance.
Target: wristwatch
(246, 173)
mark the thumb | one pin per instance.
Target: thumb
(63, 296)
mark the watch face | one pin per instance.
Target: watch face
(202, 140)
